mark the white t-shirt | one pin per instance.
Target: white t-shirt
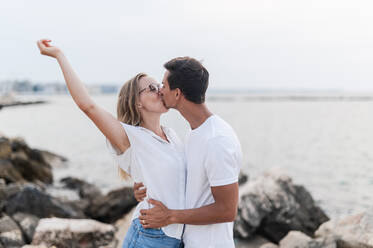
(214, 158)
(159, 165)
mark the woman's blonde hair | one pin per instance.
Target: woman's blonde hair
(127, 107)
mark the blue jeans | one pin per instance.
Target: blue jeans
(139, 237)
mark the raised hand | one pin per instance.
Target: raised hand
(48, 50)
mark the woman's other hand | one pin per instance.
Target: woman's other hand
(48, 50)
(139, 193)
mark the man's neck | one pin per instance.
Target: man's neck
(195, 114)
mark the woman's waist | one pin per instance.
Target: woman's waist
(172, 197)
(173, 230)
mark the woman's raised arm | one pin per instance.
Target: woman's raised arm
(106, 122)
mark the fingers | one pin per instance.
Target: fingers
(43, 43)
(140, 197)
(140, 194)
(144, 221)
(154, 202)
(42, 46)
(136, 186)
(144, 211)
(148, 226)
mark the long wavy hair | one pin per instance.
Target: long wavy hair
(127, 107)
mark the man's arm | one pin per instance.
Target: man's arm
(224, 209)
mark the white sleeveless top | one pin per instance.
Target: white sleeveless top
(159, 165)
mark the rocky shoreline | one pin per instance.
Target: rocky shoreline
(10, 101)
(36, 211)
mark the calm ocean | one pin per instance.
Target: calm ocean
(327, 146)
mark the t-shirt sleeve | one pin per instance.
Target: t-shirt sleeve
(222, 162)
(125, 159)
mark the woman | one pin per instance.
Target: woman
(147, 151)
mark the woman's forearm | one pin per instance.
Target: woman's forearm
(76, 87)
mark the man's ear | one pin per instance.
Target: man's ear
(178, 93)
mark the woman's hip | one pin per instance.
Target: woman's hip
(139, 237)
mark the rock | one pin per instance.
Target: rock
(352, 232)
(28, 224)
(7, 191)
(112, 206)
(42, 156)
(63, 194)
(9, 173)
(68, 233)
(272, 205)
(295, 239)
(254, 242)
(19, 163)
(10, 234)
(33, 201)
(32, 167)
(85, 190)
(37, 246)
(269, 245)
(5, 148)
(54, 160)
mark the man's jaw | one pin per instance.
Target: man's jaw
(164, 104)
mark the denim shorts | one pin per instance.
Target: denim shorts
(139, 237)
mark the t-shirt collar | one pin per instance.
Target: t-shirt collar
(165, 130)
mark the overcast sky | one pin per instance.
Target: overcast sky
(275, 44)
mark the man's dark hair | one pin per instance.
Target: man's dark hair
(189, 76)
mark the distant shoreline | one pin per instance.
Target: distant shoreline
(295, 98)
(18, 103)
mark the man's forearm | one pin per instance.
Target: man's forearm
(209, 214)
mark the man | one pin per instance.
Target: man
(214, 158)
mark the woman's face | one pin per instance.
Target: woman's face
(150, 98)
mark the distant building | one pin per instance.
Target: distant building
(22, 86)
(5, 87)
(109, 89)
(27, 87)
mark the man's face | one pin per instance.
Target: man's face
(168, 95)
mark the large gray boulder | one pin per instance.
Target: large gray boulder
(5, 148)
(296, 239)
(27, 223)
(26, 164)
(352, 232)
(9, 173)
(73, 233)
(271, 206)
(85, 190)
(10, 234)
(19, 163)
(111, 207)
(32, 200)
(7, 191)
